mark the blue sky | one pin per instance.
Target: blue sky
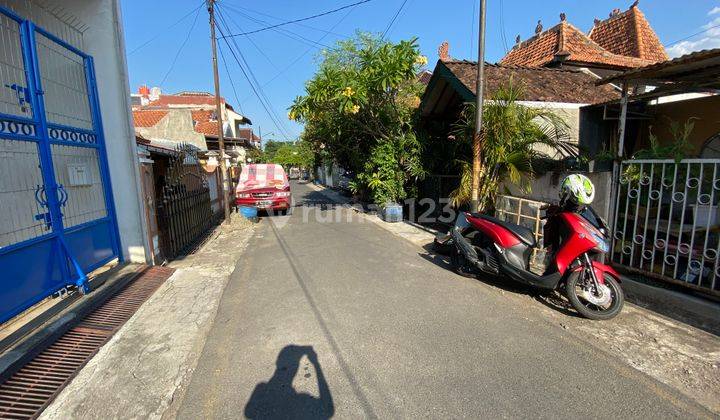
(282, 62)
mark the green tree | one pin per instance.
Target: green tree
(514, 136)
(359, 110)
(270, 149)
(298, 155)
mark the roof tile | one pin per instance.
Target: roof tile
(629, 33)
(565, 43)
(539, 84)
(147, 118)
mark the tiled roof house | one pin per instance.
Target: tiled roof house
(623, 41)
(628, 34)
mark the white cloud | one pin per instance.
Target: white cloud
(707, 40)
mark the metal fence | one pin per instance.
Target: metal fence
(526, 213)
(184, 208)
(666, 221)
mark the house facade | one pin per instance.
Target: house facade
(64, 108)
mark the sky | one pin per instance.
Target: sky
(168, 42)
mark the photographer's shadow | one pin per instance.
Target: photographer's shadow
(277, 398)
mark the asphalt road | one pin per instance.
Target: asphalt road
(344, 319)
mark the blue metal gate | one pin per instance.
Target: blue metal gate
(57, 219)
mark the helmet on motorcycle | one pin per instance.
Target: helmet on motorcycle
(578, 189)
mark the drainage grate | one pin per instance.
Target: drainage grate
(25, 394)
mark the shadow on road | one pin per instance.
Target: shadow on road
(276, 398)
(549, 298)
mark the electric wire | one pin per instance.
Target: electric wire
(182, 46)
(392, 21)
(314, 28)
(503, 35)
(230, 79)
(301, 19)
(164, 31)
(290, 34)
(284, 130)
(259, 50)
(250, 77)
(693, 35)
(306, 52)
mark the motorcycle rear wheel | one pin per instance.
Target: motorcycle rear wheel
(588, 309)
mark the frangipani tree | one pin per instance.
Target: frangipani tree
(360, 109)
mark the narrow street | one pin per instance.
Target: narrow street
(345, 319)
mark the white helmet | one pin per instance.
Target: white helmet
(578, 189)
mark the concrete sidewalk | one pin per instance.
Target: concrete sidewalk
(675, 353)
(140, 372)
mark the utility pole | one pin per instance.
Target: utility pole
(477, 138)
(218, 111)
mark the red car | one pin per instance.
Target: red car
(264, 186)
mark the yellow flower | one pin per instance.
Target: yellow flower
(348, 92)
(355, 109)
(421, 60)
(415, 102)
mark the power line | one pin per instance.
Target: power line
(290, 34)
(254, 45)
(278, 18)
(187, 38)
(164, 31)
(392, 21)
(232, 84)
(301, 19)
(298, 58)
(503, 35)
(261, 97)
(690, 36)
(269, 108)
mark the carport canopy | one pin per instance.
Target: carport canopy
(694, 72)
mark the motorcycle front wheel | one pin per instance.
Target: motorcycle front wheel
(591, 304)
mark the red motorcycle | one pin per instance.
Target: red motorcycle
(572, 236)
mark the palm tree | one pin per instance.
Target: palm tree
(514, 136)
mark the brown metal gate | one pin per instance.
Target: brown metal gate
(184, 208)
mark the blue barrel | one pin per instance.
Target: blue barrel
(249, 212)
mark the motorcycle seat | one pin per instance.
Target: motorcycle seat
(524, 234)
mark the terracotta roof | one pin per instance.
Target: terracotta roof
(203, 122)
(184, 99)
(424, 77)
(539, 84)
(566, 43)
(247, 133)
(147, 118)
(629, 34)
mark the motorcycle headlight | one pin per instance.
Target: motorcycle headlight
(601, 244)
(462, 221)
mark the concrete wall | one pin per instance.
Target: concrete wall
(546, 188)
(569, 113)
(177, 125)
(707, 125)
